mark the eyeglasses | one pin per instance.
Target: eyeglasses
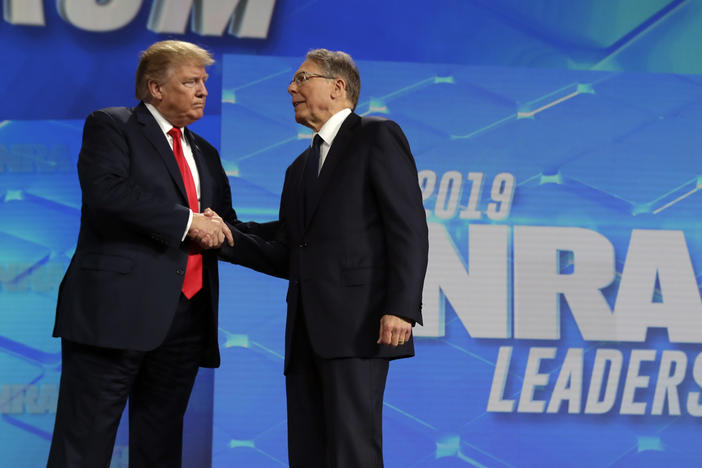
(304, 76)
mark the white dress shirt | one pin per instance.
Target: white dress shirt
(328, 133)
(166, 126)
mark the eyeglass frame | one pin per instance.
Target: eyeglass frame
(303, 76)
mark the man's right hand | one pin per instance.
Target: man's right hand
(209, 231)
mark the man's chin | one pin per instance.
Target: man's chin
(197, 114)
(301, 120)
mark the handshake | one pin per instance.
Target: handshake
(209, 230)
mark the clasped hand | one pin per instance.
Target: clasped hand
(209, 230)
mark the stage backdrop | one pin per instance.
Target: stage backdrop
(556, 143)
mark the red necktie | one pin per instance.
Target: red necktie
(193, 269)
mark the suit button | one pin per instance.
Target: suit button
(180, 271)
(303, 245)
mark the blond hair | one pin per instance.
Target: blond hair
(158, 61)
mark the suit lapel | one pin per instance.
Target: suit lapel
(156, 137)
(299, 197)
(206, 196)
(337, 152)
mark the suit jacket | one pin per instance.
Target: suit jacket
(362, 251)
(123, 284)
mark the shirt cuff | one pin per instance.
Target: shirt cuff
(187, 228)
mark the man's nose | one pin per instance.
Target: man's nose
(202, 89)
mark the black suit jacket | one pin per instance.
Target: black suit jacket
(362, 252)
(123, 284)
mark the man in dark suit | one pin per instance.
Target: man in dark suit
(352, 239)
(137, 308)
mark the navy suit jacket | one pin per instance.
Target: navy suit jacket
(362, 251)
(123, 284)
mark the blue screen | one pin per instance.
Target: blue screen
(556, 146)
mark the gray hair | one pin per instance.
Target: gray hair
(158, 61)
(339, 64)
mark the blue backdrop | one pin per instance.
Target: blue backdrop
(556, 145)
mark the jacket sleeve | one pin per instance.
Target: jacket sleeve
(111, 196)
(259, 247)
(394, 181)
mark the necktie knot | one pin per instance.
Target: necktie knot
(175, 133)
(315, 154)
(317, 142)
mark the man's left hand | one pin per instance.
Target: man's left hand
(394, 330)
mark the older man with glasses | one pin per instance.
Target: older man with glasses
(352, 239)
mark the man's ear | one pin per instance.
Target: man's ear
(339, 89)
(155, 90)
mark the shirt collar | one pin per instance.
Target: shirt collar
(331, 127)
(160, 119)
